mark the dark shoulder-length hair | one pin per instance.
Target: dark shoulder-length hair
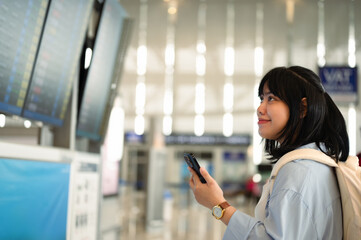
(321, 122)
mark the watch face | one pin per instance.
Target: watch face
(217, 212)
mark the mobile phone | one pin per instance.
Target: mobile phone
(193, 163)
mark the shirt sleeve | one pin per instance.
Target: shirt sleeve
(288, 218)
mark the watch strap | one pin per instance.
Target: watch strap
(224, 205)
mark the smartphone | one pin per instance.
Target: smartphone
(193, 163)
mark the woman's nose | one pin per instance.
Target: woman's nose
(260, 109)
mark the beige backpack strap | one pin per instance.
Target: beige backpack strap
(309, 154)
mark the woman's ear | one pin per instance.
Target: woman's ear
(303, 107)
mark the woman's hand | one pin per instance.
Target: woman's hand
(207, 194)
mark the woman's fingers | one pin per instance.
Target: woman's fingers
(195, 177)
(191, 179)
(206, 175)
(191, 182)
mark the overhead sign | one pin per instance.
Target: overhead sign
(234, 156)
(340, 82)
(133, 138)
(185, 139)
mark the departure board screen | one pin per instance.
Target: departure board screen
(57, 61)
(21, 23)
(100, 75)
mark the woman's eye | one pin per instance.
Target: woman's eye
(271, 98)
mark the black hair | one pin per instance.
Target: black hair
(323, 122)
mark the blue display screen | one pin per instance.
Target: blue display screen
(21, 23)
(33, 199)
(56, 64)
(92, 113)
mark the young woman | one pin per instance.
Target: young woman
(295, 112)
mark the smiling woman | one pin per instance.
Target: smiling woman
(273, 115)
(295, 113)
(313, 116)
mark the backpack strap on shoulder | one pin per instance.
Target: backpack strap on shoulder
(309, 154)
(349, 180)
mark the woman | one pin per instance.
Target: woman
(295, 112)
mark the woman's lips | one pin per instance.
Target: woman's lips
(263, 121)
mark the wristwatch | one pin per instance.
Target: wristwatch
(218, 211)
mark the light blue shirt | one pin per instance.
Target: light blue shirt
(305, 204)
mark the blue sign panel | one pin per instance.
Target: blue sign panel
(33, 199)
(234, 156)
(185, 139)
(340, 82)
(132, 137)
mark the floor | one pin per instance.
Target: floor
(183, 217)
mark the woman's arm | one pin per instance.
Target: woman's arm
(287, 218)
(209, 194)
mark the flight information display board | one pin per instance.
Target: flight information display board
(57, 61)
(100, 75)
(21, 24)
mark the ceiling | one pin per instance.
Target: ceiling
(284, 42)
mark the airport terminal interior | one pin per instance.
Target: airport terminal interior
(100, 99)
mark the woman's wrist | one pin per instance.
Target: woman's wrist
(227, 211)
(217, 202)
(227, 215)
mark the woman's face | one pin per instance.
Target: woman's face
(273, 115)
